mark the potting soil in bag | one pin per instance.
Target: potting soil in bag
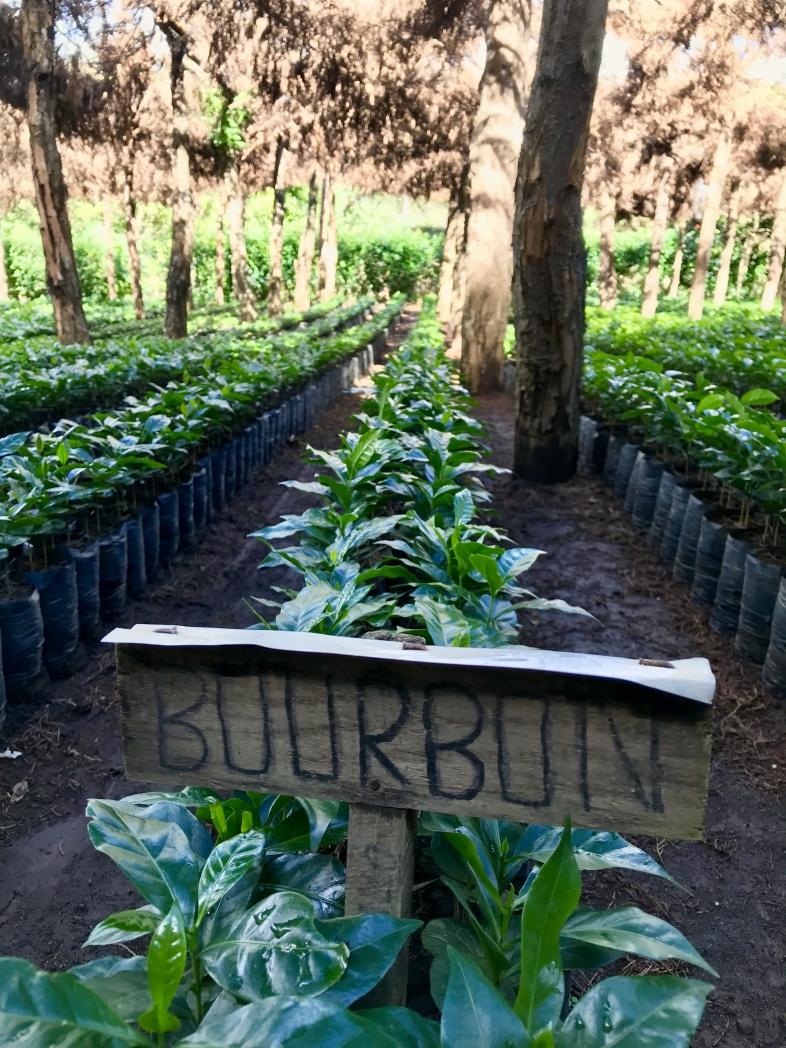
(633, 482)
(185, 514)
(672, 529)
(22, 638)
(151, 537)
(773, 674)
(230, 472)
(169, 528)
(207, 465)
(218, 462)
(625, 464)
(239, 448)
(668, 483)
(612, 459)
(759, 594)
(647, 488)
(685, 558)
(709, 558)
(87, 595)
(113, 571)
(136, 578)
(728, 596)
(200, 490)
(57, 595)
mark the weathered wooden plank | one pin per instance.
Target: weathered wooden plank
(380, 867)
(496, 740)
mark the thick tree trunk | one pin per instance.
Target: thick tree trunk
(607, 270)
(236, 221)
(493, 161)
(37, 23)
(328, 236)
(745, 255)
(305, 253)
(709, 220)
(4, 296)
(777, 247)
(132, 238)
(456, 308)
(178, 281)
(649, 298)
(454, 229)
(109, 249)
(679, 257)
(276, 243)
(549, 258)
(782, 293)
(218, 294)
(724, 269)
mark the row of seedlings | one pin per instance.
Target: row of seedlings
(68, 573)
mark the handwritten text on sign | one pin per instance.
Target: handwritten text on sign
(474, 740)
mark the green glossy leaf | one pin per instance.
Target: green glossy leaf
(437, 937)
(409, 1029)
(756, 398)
(226, 864)
(274, 948)
(166, 963)
(319, 877)
(374, 941)
(594, 850)
(651, 1011)
(631, 930)
(124, 926)
(48, 1010)
(119, 981)
(156, 856)
(475, 1014)
(551, 899)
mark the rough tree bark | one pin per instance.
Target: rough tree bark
(724, 268)
(328, 237)
(3, 270)
(178, 281)
(549, 258)
(236, 222)
(493, 160)
(37, 24)
(607, 270)
(679, 256)
(109, 251)
(305, 252)
(709, 220)
(454, 230)
(660, 220)
(218, 295)
(275, 278)
(748, 244)
(132, 236)
(777, 247)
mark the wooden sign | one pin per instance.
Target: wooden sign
(513, 733)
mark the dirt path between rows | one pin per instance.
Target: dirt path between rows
(54, 887)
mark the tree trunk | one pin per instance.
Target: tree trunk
(305, 253)
(777, 246)
(109, 249)
(660, 220)
(676, 266)
(724, 269)
(4, 296)
(454, 229)
(493, 160)
(37, 23)
(607, 270)
(712, 204)
(782, 293)
(132, 238)
(236, 221)
(549, 257)
(328, 235)
(218, 294)
(178, 281)
(745, 255)
(276, 243)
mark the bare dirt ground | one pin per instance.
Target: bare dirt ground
(54, 887)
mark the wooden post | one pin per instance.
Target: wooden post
(380, 868)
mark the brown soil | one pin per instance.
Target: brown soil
(54, 887)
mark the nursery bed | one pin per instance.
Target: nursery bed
(54, 886)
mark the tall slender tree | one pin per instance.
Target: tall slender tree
(305, 254)
(709, 220)
(549, 262)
